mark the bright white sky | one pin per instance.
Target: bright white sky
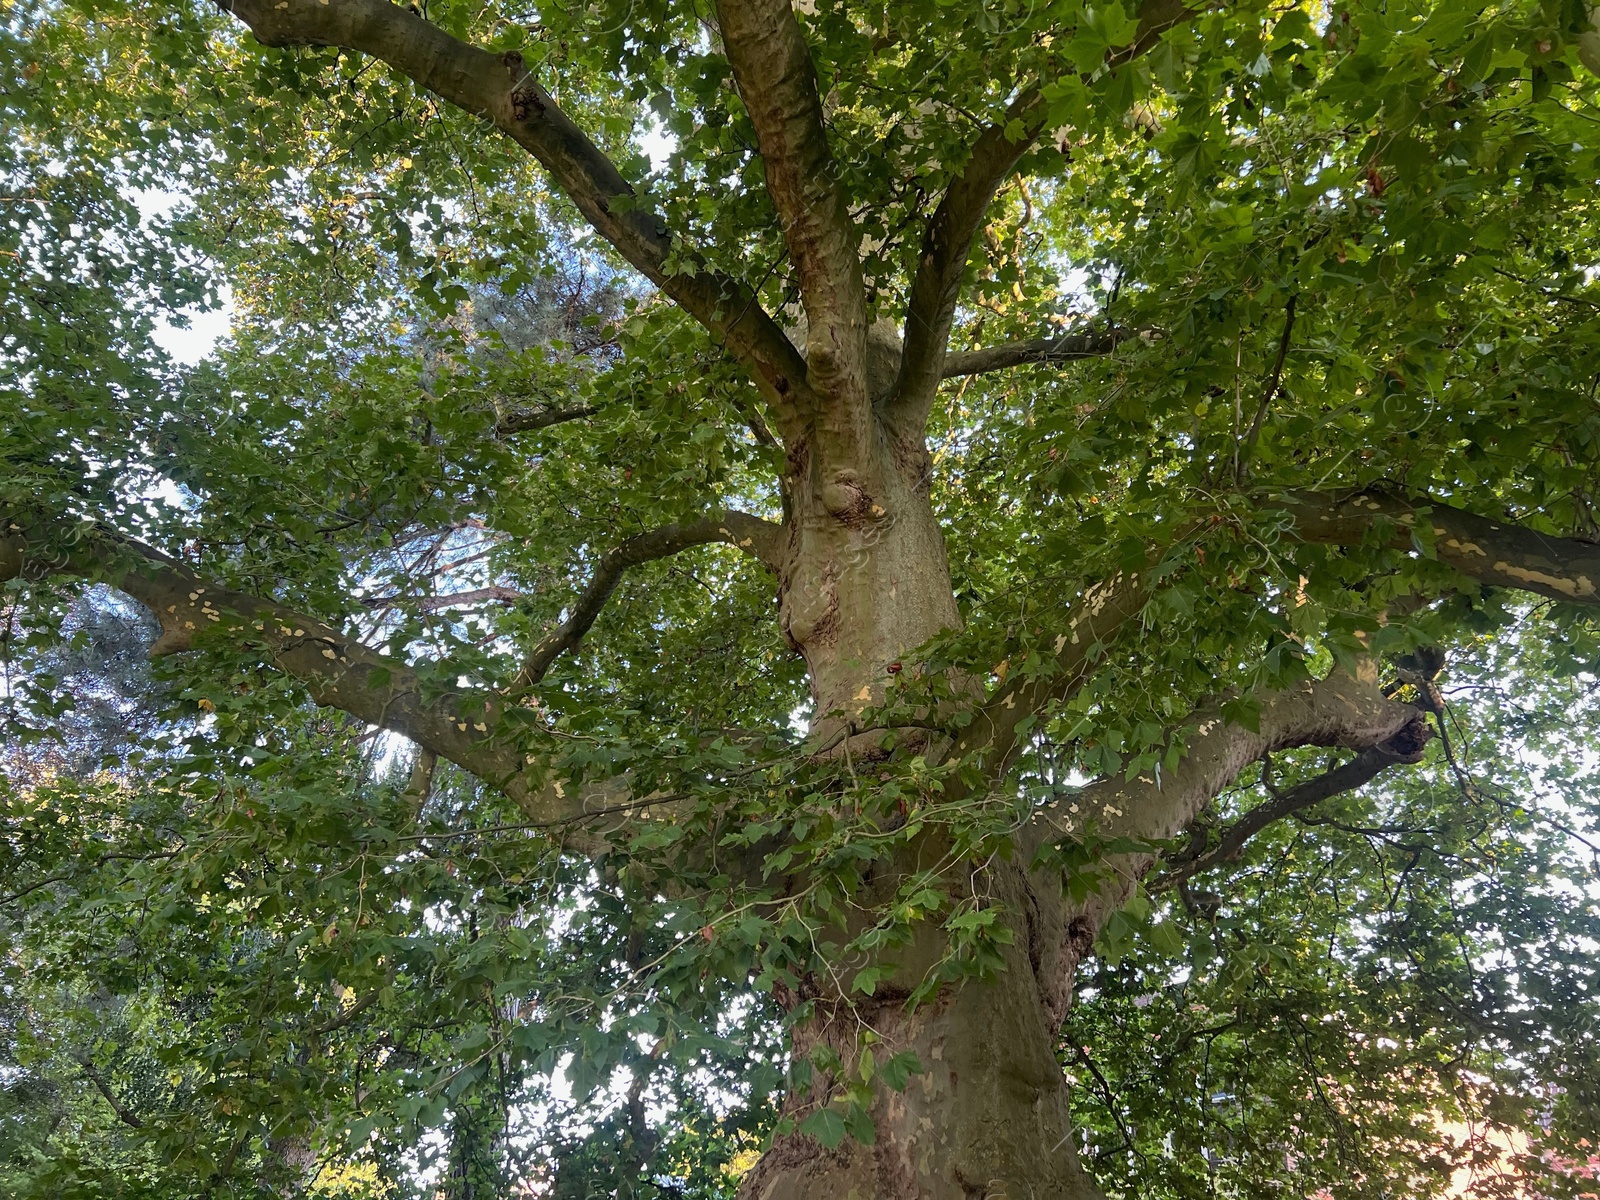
(190, 345)
(205, 329)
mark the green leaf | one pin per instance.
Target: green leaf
(827, 1126)
(897, 1070)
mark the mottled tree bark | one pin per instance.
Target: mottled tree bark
(865, 580)
(988, 1115)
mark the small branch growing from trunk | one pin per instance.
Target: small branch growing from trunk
(1068, 347)
(523, 420)
(495, 593)
(751, 534)
(420, 785)
(1268, 392)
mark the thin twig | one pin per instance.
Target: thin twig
(1269, 391)
(124, 1114)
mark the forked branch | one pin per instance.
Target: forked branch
(1405, 747)
(1339, 711)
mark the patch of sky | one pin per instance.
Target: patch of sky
(193, 333)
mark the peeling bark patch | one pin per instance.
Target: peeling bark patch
(896, 1176)
(825, 633)
(797, 459)
(811, 618)
(911, 458)
(794, 1155)
(1578, 587)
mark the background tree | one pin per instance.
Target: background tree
(1057, 501)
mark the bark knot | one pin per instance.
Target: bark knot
(848, 500)
(1409, 744)
(1080, 934)
(525, 98)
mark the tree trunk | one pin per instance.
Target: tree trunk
(987, 1117)
(865, 579)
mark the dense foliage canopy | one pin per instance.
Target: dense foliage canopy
(479, 821)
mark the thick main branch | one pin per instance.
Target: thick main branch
(947, 238)
(1405, 747)
(1500, 553)
(465, 726)
(1339, 711)
(777, 82)
(502, 90)
(997, 729)
(946, 242)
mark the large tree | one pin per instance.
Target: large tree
(999, 470)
